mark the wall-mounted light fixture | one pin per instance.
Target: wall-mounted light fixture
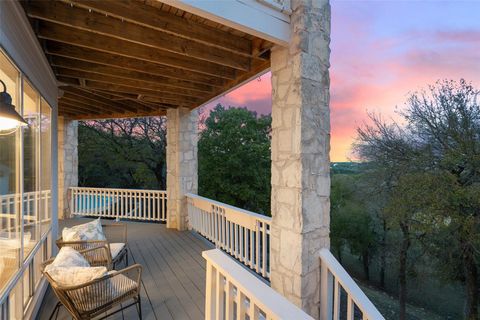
(9, 118)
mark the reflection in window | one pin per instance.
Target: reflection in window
(31, 196)
(10, 236)
(25, 187)
(45, 165)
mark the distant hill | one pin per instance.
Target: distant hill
(346, 167)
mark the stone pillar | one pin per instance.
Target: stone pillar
(182, 137)
(300, 155)
(67, 163)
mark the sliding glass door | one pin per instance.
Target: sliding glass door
(25, 194)
(10, 222)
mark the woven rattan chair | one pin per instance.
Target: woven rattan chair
(116, 234)
(97, 297)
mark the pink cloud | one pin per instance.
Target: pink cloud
(372, 73)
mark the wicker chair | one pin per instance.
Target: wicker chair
(116, 234)
(96, 297)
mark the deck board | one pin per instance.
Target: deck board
(173, 278)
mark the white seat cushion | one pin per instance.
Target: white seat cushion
(115, 249)
(87, 231)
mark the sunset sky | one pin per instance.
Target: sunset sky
(381, 51)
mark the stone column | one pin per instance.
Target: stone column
(182, 136)
(67, 163)
(300, 155)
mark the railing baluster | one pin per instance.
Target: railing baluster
(336, 301)
(350, 308)
(264, 250)
(333, 277)
(243, 234)
(251, 247)
(210, 294)
(144, 205)
(219, 310)
(244, 293)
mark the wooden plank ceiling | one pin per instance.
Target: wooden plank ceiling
(126, 58)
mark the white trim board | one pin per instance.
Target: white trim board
(249, 16)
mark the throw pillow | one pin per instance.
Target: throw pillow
(87, 231)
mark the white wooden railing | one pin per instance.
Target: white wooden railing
(243, 234)
(233, 292)
(145, 205)
(333, 278)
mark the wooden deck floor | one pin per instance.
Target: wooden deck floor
(173, 273)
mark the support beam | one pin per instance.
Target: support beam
(151, 17)
(85, 66)
(165, 91)
(101, 24)
(75, 105)
(73, 109)
(158, 113)
(160, 97)
(87, 97)
(74, 36)
(300, 155)
(182, 164)
(113, 60)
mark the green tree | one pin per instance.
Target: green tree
(432, 169)
(128, 153)
(234, 158)
(351, 223)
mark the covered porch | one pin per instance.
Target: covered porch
(173, 279)
(115, 59)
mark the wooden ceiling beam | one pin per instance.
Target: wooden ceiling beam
(128, 98)
(96, 85)
(94, 56)
(74, 107)
(155, 18)
(70, 110)
(157, 113)
(89, 107)
(73, 36)
(164, 98)
(131, 100)
(165, 91)
(95, 104)
(101, 24)
(95, 98)
(175, 84)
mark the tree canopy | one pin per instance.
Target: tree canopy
(123, 153)
(430, 169)
(234, 158)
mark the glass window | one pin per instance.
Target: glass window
(25, 190)
(46, 165)
(31, 158)
(10, 238)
